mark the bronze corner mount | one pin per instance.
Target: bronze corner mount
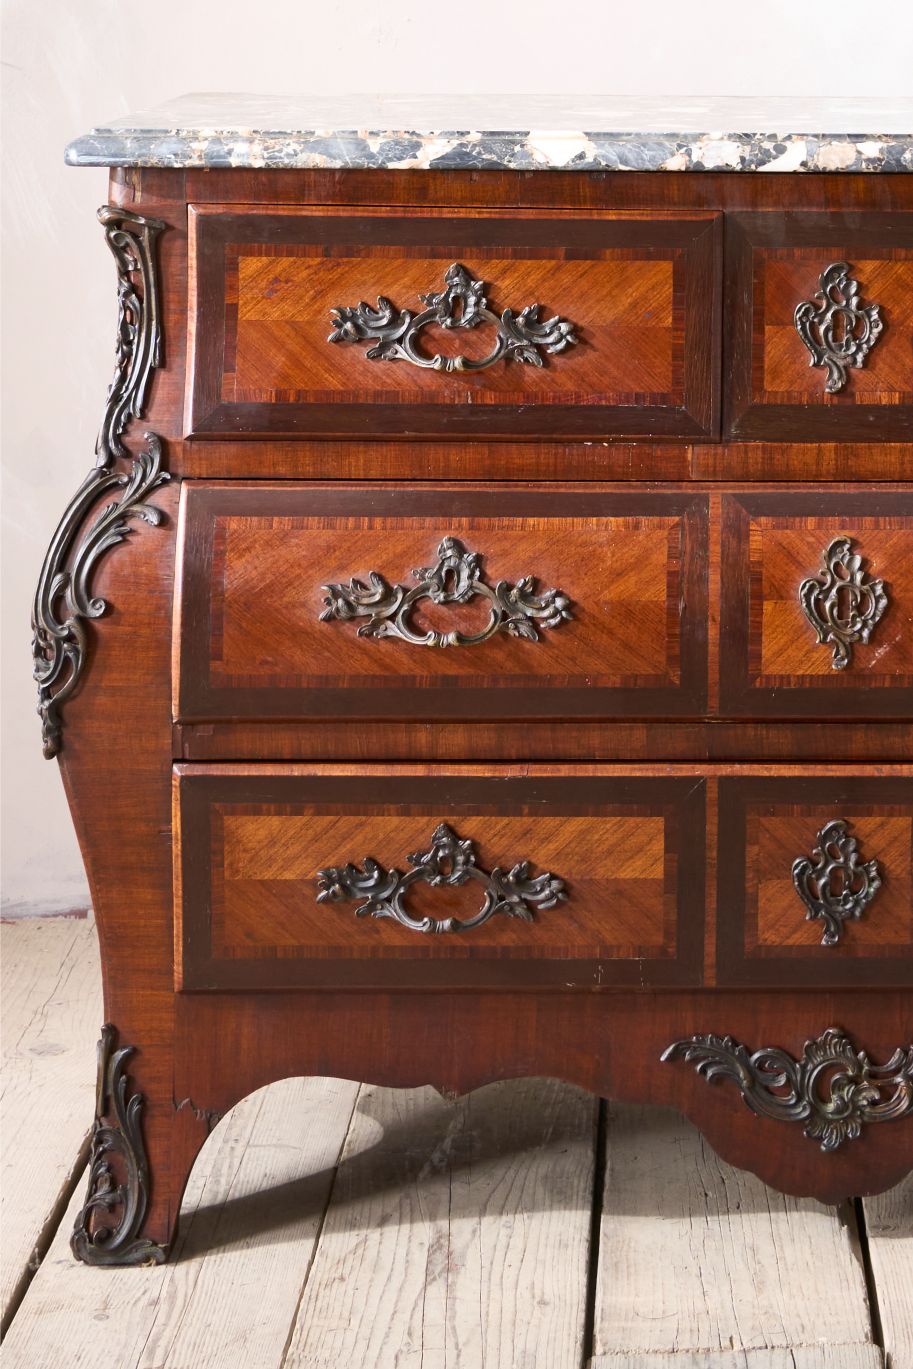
(107, 1227)
(63, 600)
(132, 239)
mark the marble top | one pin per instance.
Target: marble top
(520, 132)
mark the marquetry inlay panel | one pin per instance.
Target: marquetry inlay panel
(259, 567)
(639, 291)
(254, 843)
(765, 825)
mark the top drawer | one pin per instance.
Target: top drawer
(819, 318)
(319, 322)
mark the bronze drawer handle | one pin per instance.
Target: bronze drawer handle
(455, 579)
(448, 863)
(840, 331)
(842, 604)
(461, 304)
(836, 887)
(834, 1088)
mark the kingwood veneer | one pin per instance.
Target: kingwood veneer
(557, 639)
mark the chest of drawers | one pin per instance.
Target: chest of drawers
(484, 645)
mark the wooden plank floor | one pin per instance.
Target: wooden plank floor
(333, 1226)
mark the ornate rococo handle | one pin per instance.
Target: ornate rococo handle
(447, 863)
(834, 884)
(842, 604)
(456, 578)
(461, 304)
(839, 331)
(63, 600)
(834, 1088)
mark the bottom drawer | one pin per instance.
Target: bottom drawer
(562, 876)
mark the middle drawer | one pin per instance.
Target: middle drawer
(522, 603)
(330, 601)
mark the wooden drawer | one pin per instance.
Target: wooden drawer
(789, 580)
(639, 296)
(780, 834)
(622, 868)
(612, 621)
(613, 892)
(780, 384)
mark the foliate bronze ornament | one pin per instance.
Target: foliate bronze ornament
(834, 1088)
(839, 331)
(456, 578)
(461, 304)
(132, 240)
(833, 884)
(63, 599)
(842, 604)
(447, 863)
(106, 1229)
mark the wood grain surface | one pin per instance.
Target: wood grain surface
(642, 292)
(767, 824)
(51, 1007)
(770, 660)
(714, 1287)
(773, 263)
(256, 561)
(630, 851)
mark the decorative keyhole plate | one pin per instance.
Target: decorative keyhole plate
(842, 603)
(835, 884)
(839, 331)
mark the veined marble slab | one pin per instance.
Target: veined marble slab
(513, 132)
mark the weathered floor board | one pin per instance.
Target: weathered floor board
(229, 1296)
(457, 1235)
(802, 1357)
(51, 1013)
(697, 1256)
(889, 1227)
(328, 1226)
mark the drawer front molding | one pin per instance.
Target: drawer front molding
(641, 294)
(834, 886)
(107, 1225)
(461, 304)
(771, 663)
(609, 888)
(449, 861)
(842, 604)
(810, 841)
(776, 336)
(284, 613)
(833, 1088)
(64, 599)
(839, 331)
(456, 578)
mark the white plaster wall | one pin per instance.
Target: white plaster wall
(70, 63)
